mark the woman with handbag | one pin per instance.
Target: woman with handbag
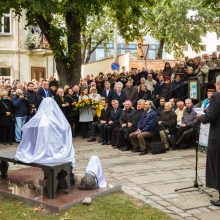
(6, 118)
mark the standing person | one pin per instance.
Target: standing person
(72, 114)
(119, 94)
(212, 116)
(202, 74)
(44, 90)
(85, 114)
(21, 106)
(61, 101)
(107, 91)
(6, 118)
(33, 99)
(167, 71)
(131, 92)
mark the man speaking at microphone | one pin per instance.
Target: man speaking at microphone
(212, 116)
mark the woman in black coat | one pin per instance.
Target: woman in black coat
(72, 114)
(144, 93)
(6, 118)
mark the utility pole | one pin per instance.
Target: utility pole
(115, 43)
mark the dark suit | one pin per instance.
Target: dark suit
(107, 96)
(212, 116)
(43, 93)
(121, 98)
(114, 117)
(105, 116)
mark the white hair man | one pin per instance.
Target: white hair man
(21, 106)
(186, 128)
(202, 74)
(167, 123)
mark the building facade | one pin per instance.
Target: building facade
(210, 43)
(17, 59)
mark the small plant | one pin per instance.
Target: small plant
(33, 40)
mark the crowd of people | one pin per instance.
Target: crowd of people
(134, 106)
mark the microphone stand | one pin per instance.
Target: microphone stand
(196, 185)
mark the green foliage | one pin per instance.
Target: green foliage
(170, 21)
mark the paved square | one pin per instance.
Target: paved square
(151, 178)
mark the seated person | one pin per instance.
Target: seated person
(47, 137)
(105, 114)
(145, 128)
(113, 122)
(179, 112)
(185, 130)
(131, 127)
(124, 119)
(160, 109)
(167, 123)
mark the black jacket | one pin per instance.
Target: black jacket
(105, 114)
(120, 98)
(109, 97)
(126, 116)
(169, 121)
(59, 100)
(6, 106)
(136, 117)
(42, 94)
(33, 99)
(115, 115)
(145, 95)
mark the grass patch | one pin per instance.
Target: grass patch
(117, 206)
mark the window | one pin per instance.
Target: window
(5, 72)
(122, 52)
(203, 47)
(5, 27)
(152, 54)
(218, 48)
(100, 54)
(132, 46)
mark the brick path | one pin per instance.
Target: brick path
(152, 178)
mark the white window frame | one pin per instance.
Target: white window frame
(2, 24)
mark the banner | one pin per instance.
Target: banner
(204, 135)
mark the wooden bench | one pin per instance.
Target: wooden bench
(50, 172)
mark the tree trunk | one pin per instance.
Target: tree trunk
(68, 75)
(160, 50)
(89, 49)
(68, 64)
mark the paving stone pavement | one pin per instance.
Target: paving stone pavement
(151, 178)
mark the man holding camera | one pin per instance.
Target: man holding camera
(33, 100)
(20, 104)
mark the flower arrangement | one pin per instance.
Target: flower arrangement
(86, 103)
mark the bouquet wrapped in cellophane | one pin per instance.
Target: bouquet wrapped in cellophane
(86, 103)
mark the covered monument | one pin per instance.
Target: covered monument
(47, 137)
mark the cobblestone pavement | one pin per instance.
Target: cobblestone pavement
(151, 178)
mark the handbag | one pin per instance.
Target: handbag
(157, 147)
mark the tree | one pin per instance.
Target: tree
(175, 23)
(65, 39)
